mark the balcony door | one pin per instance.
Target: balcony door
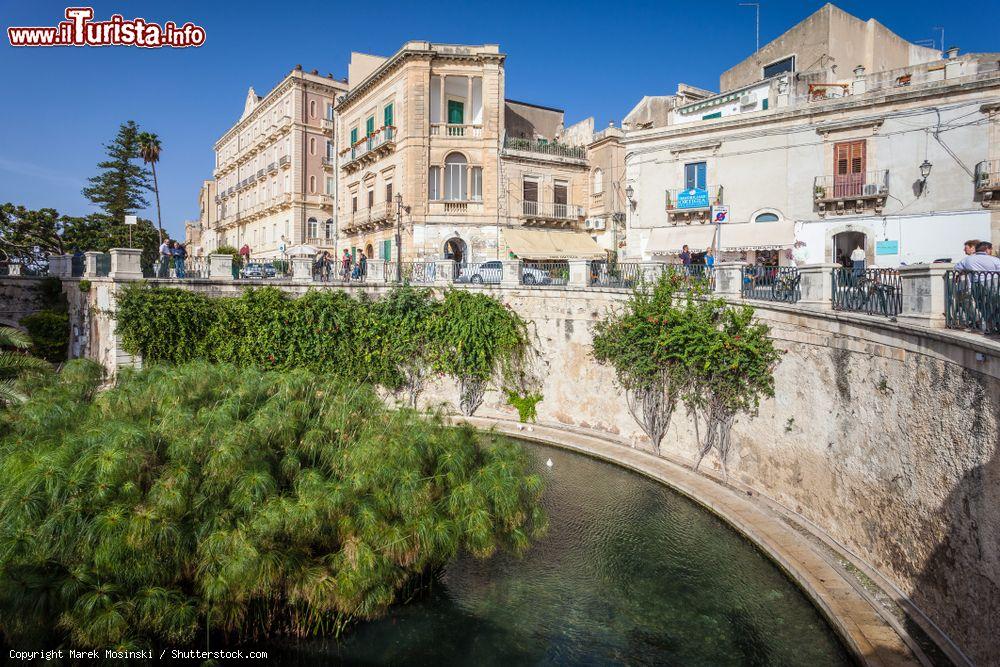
(456, 112)
(848, 168)
(529, 197)
(694, 176)
(560, 200)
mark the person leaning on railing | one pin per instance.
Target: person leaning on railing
(985, 289)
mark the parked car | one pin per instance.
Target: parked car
(534, 276)
(487, 272)
(258, 270)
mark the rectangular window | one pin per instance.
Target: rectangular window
(354, 135)
(329, 112)
(387, 249)
(763, 104)
(849, 160)
(456, 112)
(529, 191)
(387, 115)
(370, 126)
(717, 114)
(477, 184)
(779, 66)
(371, 199)
(329, 186)
(388, 192)
(434, 183)
(354, 204)
(694, 175)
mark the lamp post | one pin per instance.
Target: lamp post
(630, 205)
(399, 236)
(925, 171)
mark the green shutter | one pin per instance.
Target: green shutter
(717, 114)
(370, 125)
(354, 136)
(387, 115)
(764, 104)
(456, 112)
(387, 249)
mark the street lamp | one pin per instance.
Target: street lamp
(399, 236)
(925, 171)
(629, 193)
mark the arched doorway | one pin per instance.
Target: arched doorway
(455, 249)
(369, 251)
(845, 243)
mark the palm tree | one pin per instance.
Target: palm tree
(149, 149)
(15, 364)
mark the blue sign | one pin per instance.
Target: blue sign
(693, 198)
(887, 247)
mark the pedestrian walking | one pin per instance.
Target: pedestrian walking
(179, 254)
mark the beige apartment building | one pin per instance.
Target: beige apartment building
(200, 234)
(274, 184)
(837, 134)
(429, 146)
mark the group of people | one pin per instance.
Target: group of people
(688, 258)
(172, 254)
(977, 290)
(350, 269)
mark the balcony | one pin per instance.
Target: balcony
(377, 145)
(284, 162)
(260, 174)
(692, 204)
(851, 192)
(379, 216)
(272, 168)
(328, 162)
(544, 212)
(577, 154)
(456, 130)
(988, 182)
(327, 124)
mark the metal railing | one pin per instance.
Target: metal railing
(852, 186)
(486, 273)
(381, 136)
(972, 300)
(545, 274)
(770, 283)
(988, 175)
(870, 291)
(682, 199)
(77, 265)
(546, 148)
(417, 273)
(624, 275)
(550, 210)
(190, 268)
(103, 264)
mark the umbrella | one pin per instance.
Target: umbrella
(300, 250)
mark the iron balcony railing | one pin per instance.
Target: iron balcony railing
(688, 199)
(272, 167)
(616, 274)
(103, 264)
(283, 160)
(381, 136)
(545, 148)
(972, 300)
(770, 283)
(550, 210)
(545, 274)
(869, 291)
(852, 186)
(77, 264)
(416, 273)
(189, 268)
(988, 175)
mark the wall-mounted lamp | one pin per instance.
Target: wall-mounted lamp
(925, 171)
(629, 194)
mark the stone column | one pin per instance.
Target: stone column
(220, 266)
(728, 279)
(302, 269)
(90, 263)
(816, 285)
(444, 272)
(579, 273)
(125, 264)
(377, 271)
(923, 294)
(511, 276)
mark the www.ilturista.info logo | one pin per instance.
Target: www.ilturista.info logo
(80, 30)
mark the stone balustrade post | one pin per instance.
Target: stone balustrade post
(125, 264)
(579, 273)
(302, 269)
(923, 292)
(816, 285)
(511, 276)
(56, 263)
(729, 279)
(14, 270)
(444, 272)
(90, 263)
(376, 272)
(220, 266)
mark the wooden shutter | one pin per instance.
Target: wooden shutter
(849, 158)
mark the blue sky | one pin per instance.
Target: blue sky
(591, 59)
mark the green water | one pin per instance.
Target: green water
(629, 572)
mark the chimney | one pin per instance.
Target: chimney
(951, 53)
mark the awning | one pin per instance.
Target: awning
(758, 235)
(546, 244)
(671, 240)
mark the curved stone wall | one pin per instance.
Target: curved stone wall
(883, 436)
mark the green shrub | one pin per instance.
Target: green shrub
(249, 503)
(49, 332)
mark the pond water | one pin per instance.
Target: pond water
(629, 572)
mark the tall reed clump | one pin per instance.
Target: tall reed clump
(248, 502)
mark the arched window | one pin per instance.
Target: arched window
(456, 169)
(328, 228)
(312, 108)
(598, 181)
(312, 184)
(766, 217)
(313, 231)
(312, 146)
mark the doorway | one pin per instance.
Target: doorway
(844, 244)
(455, 250)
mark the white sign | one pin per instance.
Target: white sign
(131, 220)
(281, 247)
(720, 214)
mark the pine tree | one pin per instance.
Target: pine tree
(120, 187)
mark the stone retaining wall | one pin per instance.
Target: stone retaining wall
(884, 436)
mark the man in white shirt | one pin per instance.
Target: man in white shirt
(982, 260)
(165, 258)
(985, 287)
(858, 260)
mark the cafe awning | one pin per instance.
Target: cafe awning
(758, 235)
(547, 244)
(670, 240)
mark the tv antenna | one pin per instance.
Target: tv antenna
(756, 9)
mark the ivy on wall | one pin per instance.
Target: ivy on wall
(395, 342)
